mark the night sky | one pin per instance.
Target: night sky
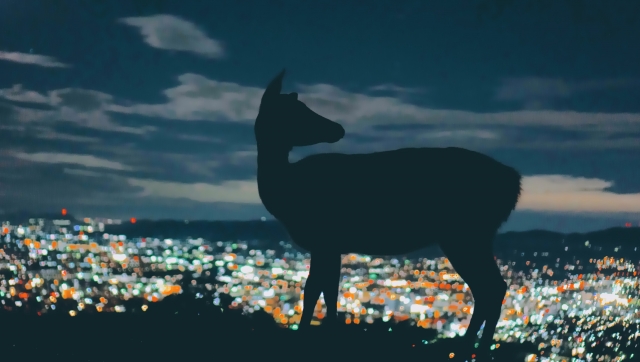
(145, 108)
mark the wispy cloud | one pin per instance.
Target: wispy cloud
(574, 194)
(198, 98)
(18, 94)
(461, 134)
(84, 107)
(394, 89)
(535, 88)
(32, 59)
(242, 192)
(68, 158)
(170, 32)
(77, 172)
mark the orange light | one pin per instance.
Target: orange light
(133, 220)
(64, 212)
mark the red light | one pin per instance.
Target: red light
(627, 224)
(64, 212)
(133, 220)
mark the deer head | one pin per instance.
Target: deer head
(285, 122)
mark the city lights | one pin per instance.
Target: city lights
(564, 306)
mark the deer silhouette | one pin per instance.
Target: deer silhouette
(383, 203)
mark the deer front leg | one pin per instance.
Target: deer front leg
(331, 287)
(324, 277)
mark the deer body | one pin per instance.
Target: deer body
(388, 205)
(383, 203)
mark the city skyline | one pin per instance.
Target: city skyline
(147, 111)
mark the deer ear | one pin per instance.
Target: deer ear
(274, 87)
(294, 95)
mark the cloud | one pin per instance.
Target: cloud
(538, 89)
(370, 121)
(208, 150)
(84, 107)
(462, 134)
(242, 192)
(394, 89)
(361, 113)
(77, 172)
(66, 158)
(33, 59)
(50, 134)
(548, 193)
(574, 194)
(18, 94)
(83, 100)
(173, 33)
(199, 98)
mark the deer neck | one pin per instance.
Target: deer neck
(273, 164)
(273, 179)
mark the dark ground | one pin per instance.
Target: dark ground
(153, 337)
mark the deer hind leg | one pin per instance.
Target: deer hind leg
(479, 270)
(324, 277)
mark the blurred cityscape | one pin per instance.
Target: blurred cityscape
(572, 306)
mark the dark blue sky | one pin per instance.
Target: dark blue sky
(145, 108)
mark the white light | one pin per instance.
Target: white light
(119, 257)
(418, 308)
